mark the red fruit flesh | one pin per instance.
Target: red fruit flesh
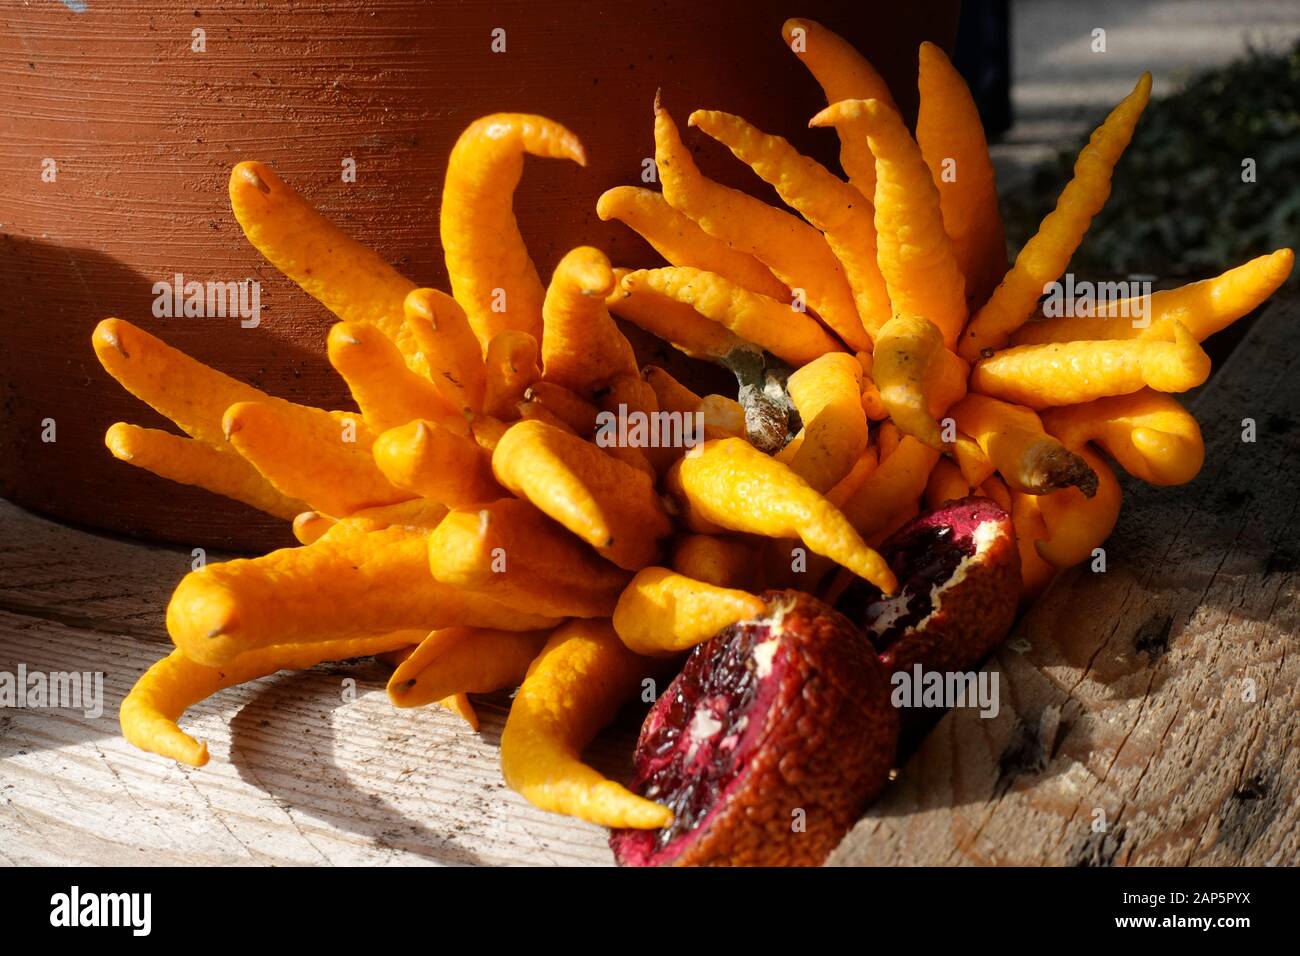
(767, 745)
(959, 581)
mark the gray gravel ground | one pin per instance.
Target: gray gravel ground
(1061, 87)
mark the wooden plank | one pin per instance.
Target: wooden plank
(1160, 698)
(86, 580)
(300, 774)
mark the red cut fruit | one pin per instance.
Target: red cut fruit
(767, 745)
(959, 584)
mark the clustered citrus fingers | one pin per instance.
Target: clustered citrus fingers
(343, 585)
(576, 685)
(1045, 256)
(915, 254)
(192, 462)
(728, 483)
(796, 253)
(491, 514)
(492, 275)
(509, 550)
(679, 240)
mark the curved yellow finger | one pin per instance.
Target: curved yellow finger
(1077, 525)
(197, 463)
(906, 348)
(827, 393)
(730, 484)
(796, 253)
(509, 550)
(322, 458)
(511, 364)
(426, 459)
(788, 334)
(675, 322)
(385, 389)
(343, 275)
(1067, 373)
(346, 584)
(679, 240)
(1013, 440)
(191, 394)
(582, 347)
(1047, 254)
(843, 74)
(663, 612)
(951, 138)
(576, 685)
(492, 276)
(608, 504)
(1149, 433)
(1205, 307)
(915, 255)
(833, 206)
(449, 347)
(150, 712)
(464, 660)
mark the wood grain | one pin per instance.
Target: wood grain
(1127, 693)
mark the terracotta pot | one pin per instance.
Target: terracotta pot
(142, 131)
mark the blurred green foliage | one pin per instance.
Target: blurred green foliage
(1178, 206)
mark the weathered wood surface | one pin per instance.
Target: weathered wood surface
(300, 773)
(1120, 691)
(1161, 697)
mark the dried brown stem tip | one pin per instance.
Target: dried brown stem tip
(1050, 467)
